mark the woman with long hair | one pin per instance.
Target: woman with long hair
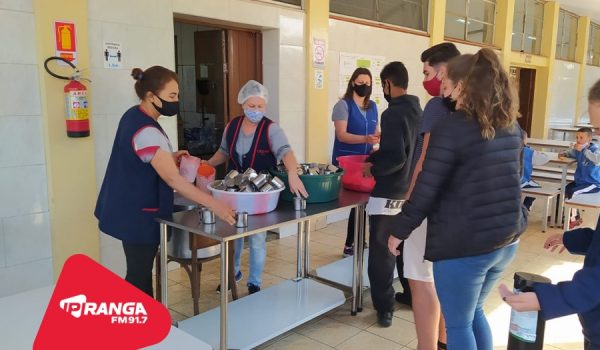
(469, 191)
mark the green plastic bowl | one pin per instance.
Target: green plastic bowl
(320, 188)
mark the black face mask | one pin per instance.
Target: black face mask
(362, 90)
(387, 97)
(168, 109)
(449, 102)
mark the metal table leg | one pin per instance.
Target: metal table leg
(563, 185)
(300, 251)
(163, 265)
(355, 262)
(306, 269)
(361, 255)
(224, 289)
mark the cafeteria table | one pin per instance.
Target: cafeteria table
(253, 320)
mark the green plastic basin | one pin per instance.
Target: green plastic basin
(320, 188)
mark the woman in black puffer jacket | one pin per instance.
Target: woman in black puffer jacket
(469, 191)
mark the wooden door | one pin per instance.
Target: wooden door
(244, 62)
(526, 92)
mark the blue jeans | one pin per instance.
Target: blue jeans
(462, 286)
(258, 251)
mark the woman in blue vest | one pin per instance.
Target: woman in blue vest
(254, 141)
(356, 129)
(142, 173)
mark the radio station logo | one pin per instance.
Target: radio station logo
(121, 313)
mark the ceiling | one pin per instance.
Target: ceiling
(589, 8)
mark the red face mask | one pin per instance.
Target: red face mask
(433, 86)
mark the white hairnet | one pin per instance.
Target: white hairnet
(252, 88)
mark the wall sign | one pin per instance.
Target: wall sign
(65, 40)
(113, 56)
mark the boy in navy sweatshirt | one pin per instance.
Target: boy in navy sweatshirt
(580, 295)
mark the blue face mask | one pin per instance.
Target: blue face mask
(254, 115)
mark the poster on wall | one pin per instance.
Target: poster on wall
(350, 61)
(113, 57)
(318, 53)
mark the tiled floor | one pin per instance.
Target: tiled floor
(337, 329)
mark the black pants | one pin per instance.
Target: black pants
(350, 229)
(381, 265)
(140, 260)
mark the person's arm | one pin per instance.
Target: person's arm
(391, 156)
(340, 115)
(570, 153)
(419, 165)
(282, 150)
(593, 156)
(342, 135)
(296, 185)
(570, 297)
(165, 166)
(439, 163)
(217, 159)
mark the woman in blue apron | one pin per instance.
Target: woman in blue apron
(254, 141)
(142, 173)
(356, 129)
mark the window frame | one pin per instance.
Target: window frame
(560, 38)
(386, 25)
(594, 28)
(522, 32)
(467, 20)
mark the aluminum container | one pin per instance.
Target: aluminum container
(241, 219)
(231, 175)
(299, 203)
(207, 216)
(277, 183)
(267, 188)
(259, 181)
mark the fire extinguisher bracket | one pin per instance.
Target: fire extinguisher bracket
(77, 113)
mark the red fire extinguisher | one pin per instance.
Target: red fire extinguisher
(77, 112)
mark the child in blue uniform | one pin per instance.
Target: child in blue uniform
(531, 158)
(587, 175)
(580, 295)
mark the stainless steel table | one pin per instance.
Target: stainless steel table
(284, 215)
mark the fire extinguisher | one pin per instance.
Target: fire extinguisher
(77, 109)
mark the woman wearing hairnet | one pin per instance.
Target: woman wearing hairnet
(255, 141)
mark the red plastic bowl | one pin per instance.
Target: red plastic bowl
(353, 178)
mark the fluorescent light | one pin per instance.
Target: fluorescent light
(461, 20)
(531, 37)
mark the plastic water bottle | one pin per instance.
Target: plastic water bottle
(526, 328)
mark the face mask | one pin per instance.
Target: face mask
(387, 97)
(432, 86)
(254, 115)
(362, 90)
(168, 109)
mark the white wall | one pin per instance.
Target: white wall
(563, 93)
(25, 243)
(591, 75)
(145, 30)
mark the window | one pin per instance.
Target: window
(594, 45)
(471, 20)
(292, 2)
(527, 26)
(566, 41)
(405, 13)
